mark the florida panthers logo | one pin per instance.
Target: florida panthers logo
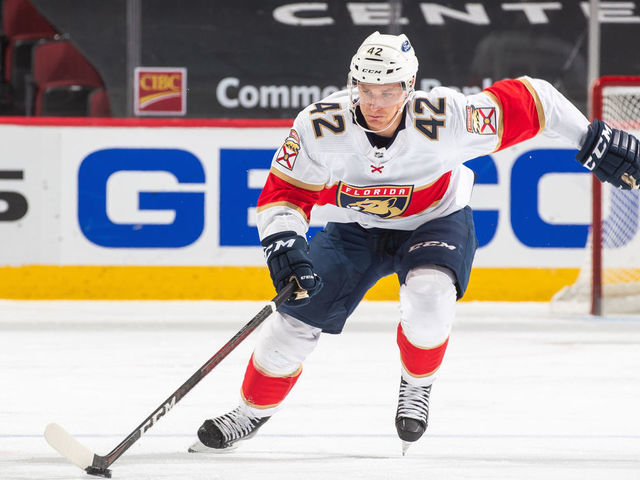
(289, 151)
(384, 201)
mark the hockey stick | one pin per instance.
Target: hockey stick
(93, 464)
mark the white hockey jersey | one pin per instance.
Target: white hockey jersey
(328, 160)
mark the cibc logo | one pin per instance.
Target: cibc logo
(160, 91)
(141, 198)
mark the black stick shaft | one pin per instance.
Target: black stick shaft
(103, 462)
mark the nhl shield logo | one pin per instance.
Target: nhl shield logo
(289, 151)
(384, 201)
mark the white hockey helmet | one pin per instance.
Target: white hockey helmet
(384, 59)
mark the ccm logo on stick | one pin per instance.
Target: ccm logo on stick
(141, 198)
(159, 413)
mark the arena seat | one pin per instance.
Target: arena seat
(99, 103)
(63, 80)
(59, 99)
(20, 17)
(23, 28)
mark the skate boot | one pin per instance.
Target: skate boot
(413, 413)
(222, 433)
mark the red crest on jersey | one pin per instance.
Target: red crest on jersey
(289, 151)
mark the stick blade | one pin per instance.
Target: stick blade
(68, 447)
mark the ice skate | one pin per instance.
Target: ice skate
(412, 416)
(222, 433)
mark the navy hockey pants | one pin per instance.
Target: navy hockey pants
(350, 259)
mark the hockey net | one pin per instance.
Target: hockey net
(609, 279)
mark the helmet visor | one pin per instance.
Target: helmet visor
(377, 96)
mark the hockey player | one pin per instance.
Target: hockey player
(388, 161)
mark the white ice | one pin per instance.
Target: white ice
(523, 394)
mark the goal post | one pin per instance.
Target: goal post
(616, 239)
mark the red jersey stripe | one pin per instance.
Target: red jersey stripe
(278, 191)
(428, 196)
(521, 114)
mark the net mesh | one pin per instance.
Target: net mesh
(620, 221)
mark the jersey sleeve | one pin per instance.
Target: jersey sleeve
(293, 186)
(530, 106)
(509, 112)
(561, 118)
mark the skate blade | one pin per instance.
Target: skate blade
(405, 447)
(199, 447)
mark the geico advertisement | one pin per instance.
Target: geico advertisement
(187, 196)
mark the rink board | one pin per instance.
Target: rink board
(129, 208)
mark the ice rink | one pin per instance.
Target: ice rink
(523, 394)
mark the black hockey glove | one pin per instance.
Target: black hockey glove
(613, 155)
(287, 255)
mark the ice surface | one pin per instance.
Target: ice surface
(523, 394)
